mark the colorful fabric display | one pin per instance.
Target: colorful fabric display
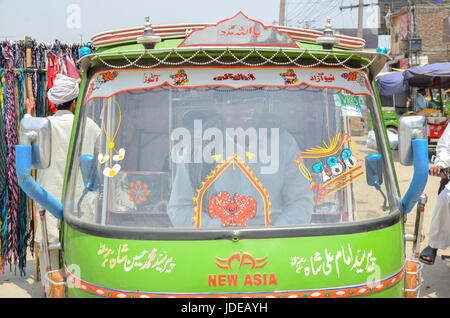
(17, 221)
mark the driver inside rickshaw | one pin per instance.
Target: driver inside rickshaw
(270, 192)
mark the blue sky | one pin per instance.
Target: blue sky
(79, 20)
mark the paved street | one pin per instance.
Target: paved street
(436, 282)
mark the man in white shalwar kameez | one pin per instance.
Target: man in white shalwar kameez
(63, 95)
(439, 235)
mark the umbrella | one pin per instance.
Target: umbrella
(435, 75)
(391, 83)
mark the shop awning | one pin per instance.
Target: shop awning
(429, 76)
(391, 83)
(435, 75)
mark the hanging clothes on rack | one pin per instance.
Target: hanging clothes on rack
(3, 168)
(11, 139)
(52, 71)
(60, 61)
(39, 62)
(70, 68)
(4, 180)
(17, 220)
(24, 217)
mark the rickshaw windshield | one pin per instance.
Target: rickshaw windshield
(171, 153)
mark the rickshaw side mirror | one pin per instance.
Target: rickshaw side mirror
(374, 170)
(374, 174)
(34, 151)
(410, 128)
(89, 171)
(36, 131)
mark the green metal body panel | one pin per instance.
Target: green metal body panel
(228, 267)
(390, 119)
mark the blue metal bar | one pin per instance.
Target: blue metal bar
(420, 178)
(30, 186)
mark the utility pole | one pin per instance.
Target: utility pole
(308, 23)
(360, 18)
(360, 7)
(412, 61)
(411, 18)
(414, 42)
(282, 12)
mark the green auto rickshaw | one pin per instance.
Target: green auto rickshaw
(226, 167)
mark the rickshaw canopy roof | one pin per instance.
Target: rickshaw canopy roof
(187, 40)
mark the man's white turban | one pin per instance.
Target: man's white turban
(65, 89)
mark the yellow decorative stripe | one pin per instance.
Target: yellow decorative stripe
(329, 150)
(342, 180)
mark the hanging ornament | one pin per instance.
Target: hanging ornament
(85, 51)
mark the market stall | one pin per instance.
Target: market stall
(27, 69)
(434, 77)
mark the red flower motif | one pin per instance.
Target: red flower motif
(238, 213)
(138, 192)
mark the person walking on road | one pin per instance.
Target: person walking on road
(63, 95)
(439, 234)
